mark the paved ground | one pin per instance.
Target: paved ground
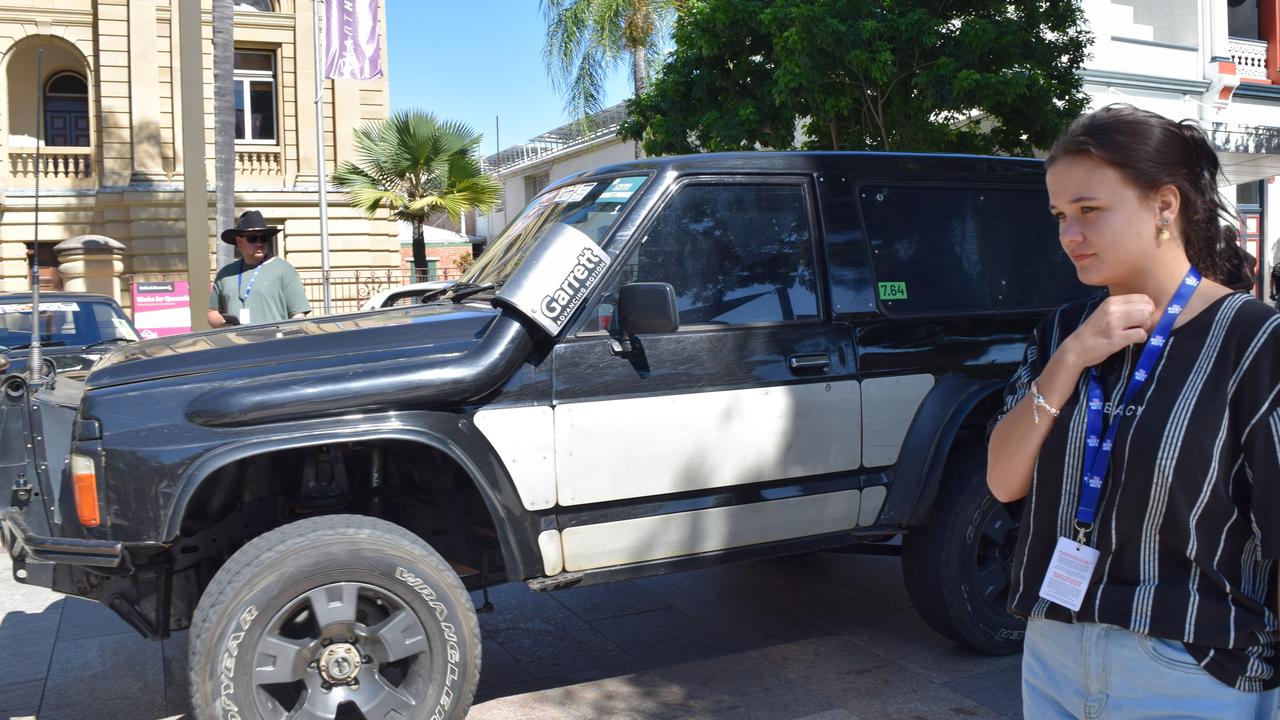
(818, 637)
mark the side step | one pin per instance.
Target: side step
(557, 582)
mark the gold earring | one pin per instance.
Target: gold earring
(1164, 234)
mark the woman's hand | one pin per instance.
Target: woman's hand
(1120, 321)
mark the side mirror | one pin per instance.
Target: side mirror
(646, 308)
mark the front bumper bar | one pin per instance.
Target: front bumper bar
(23, 545)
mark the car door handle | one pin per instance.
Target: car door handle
(815, 361)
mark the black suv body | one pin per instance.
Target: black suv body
(658, 365)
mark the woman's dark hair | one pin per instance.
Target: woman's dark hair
(1153, 151)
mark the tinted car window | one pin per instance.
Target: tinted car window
(69, 323)
(849, 268)
(735, 253)
(949, 250)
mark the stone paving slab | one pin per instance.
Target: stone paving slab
(818, 637)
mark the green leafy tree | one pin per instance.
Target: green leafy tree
(980, 76)
(587, 38)
(417, 166)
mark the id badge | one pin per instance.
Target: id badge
(244, 316)
(1067, 579)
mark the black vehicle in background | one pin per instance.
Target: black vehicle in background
(658, 365)
(76, 329)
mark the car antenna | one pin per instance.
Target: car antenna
(35, 369)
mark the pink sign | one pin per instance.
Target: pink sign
(161, 308)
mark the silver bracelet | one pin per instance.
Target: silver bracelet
(1038, 401)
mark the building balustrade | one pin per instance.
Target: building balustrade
(258, 163)
(1250, 57)
(52, 162)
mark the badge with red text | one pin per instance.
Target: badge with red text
(1069, 574)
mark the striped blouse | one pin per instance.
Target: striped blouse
(1188, 525)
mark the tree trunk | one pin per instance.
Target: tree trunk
(224, 122)
(419, 253)
(639, 79)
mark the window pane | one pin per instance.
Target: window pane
(262, 107)
(239, 110)
(68, 84)
(848, 266)
(735, 254)
(254, 5)
(254, 61)
(940, 250)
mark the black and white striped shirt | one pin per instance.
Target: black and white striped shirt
(1188, 525)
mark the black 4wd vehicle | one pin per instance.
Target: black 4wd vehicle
(658, 365)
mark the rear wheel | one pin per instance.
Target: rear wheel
(340, 616)
(958, 567)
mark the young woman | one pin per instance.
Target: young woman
(1143, 431)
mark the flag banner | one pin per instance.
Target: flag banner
(352, 50)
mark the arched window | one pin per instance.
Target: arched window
(255, 5)
(66, 111)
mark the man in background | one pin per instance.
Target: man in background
(258, 287)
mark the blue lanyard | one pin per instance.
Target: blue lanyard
(240, 276)
(1097, 451)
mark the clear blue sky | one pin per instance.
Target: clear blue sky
(470, 61)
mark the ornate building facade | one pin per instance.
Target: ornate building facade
(111, 152)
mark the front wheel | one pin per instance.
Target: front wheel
(334, 615)
(958, 568)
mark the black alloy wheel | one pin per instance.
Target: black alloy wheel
(340, 617)
(957, 568)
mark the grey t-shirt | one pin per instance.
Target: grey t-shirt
(272, 291)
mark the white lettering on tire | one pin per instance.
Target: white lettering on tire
(227, 669)
(452, 652)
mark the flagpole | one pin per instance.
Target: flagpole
(323, 176)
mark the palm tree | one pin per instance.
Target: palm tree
(586, 38)
(417, 166)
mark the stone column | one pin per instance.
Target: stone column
(305, 70)
(91, 263)
(144, 93)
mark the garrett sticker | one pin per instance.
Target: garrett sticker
(557, 277)
(558, 304)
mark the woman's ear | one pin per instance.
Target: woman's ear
(1168, 201)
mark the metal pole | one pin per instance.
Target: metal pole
(497, 163)
(35, 369)
(316, 6)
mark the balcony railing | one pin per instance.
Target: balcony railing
(258, 163)
(56, 163)
(1250, 57)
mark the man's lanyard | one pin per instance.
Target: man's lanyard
(1097, 451)
(240, 276)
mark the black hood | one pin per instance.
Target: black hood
(301, 345)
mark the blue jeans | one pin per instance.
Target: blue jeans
(1101, 671)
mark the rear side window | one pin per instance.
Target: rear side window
(736, 254)
(948, 250)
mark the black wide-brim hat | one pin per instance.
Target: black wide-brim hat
(251, 223)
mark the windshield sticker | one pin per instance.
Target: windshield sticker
(44, 307)
(574, 193)
(621, 190)
(551, 286)
(893, 291)
(122, 327)
(529, 213)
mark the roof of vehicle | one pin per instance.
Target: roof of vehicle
(983, 166)
(57, 295)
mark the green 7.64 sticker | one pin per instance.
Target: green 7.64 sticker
(893, 291)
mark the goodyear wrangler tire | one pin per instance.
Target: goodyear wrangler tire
(957, 567)
(331, 615)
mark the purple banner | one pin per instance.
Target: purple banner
(352, 47)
